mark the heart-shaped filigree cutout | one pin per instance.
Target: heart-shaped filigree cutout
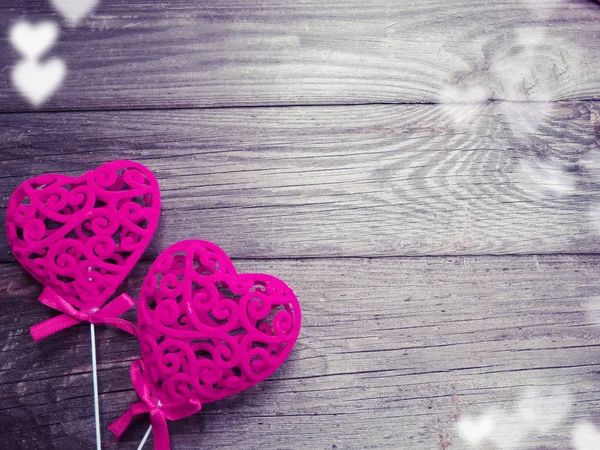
(80, 237)
(206, 332)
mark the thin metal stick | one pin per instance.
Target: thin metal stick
(145, 438)
(95, 380)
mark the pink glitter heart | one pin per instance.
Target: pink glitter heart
(206, 332)
(80, 237)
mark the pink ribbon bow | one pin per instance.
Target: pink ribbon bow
(108, 315)
(159, 413)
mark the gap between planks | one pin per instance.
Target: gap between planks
(294, 105)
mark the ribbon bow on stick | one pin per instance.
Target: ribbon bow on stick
(159, 412)
(109, 315)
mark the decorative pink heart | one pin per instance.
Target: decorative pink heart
(206, 332)
(80, 237)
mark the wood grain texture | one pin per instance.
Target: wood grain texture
(393, 352)
(391, 180)
(391, 151)
(189, 53)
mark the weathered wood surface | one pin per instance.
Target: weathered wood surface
(394, 349)
(190, 53)
(389, 180)
(392, 353)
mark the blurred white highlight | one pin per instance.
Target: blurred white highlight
(591, 162)
(524, 118)
(474, 431)
(542, 410)
(462, 106)
(74, 11)
(547, 176)
(586, 437)
(535, 66)
(35, 80)
(592, 311)
(33, 41)
(545, 10)
(539, 411)
(474, 94)
(531, 67)
(530, 37)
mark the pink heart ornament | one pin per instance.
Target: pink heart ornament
(206, 332)
(80, 237)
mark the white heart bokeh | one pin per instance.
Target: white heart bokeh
(74, 10)
(38, 81)
(32, 41)
(474, 431)
(539, 411)
(586, 437)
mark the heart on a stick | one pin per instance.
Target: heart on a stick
(206, 332)
(80, 237)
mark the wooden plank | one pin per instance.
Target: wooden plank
(393, 353)
(189, 53)
(391, 180)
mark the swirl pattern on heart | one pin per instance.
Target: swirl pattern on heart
(82, 236)
(207, 332)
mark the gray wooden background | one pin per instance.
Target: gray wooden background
(425, 175)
